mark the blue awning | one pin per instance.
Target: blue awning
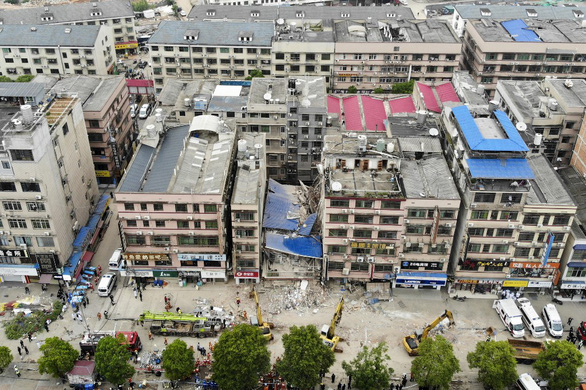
(300, 245)
(493, 168)
(577, 264)
(580, 247)
(74, 259)
(102, 203)
(82, 238)
(422, 278)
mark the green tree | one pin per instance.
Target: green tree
(352, 89)
(378, 90)
(403, 87)
(58, 357)
(5, 358)
(25, 78)
(559, 364)
(5, 79)
(254, 73)
(436, 364)
(369, 369)
(178, 360)
(240, 357)
(305, 357)
(495, 360)
(112, 358)
(140, 6)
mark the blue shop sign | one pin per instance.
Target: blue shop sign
(422, 282)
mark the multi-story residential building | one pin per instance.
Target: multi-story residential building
(172, 201)
(116, 14)
(106, 109)
(47, 188)
(464, 12)
(247, 207)
(549, 113)
(386, 216)
(521, 49)
(516, 213)
(56, 50)
(225, 50)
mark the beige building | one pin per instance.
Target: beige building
(523, 49)
(106, 109)
(172, 201)
(247, 208)
(516, 212)
(116, 14)
(579, 156)
(56, 50)
(386, 214)
(48, 188)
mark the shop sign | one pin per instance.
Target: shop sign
(371, 245)
(145, 256)
(103, 173)
(14, 253)
(212, 274)
(539, 284)
(165, 274)
(484, 263)
(534, 265)
(47, 263)
(515, 283)
(467, 281)
(246, 274)
(136, 273)
(422, 282)
(18, 271)
(201, 257)
(126, 45)
(428, 265)
(572, 286)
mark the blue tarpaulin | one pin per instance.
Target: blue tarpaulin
(305, 229)
(93, 222)
(300, 245)
(74, 259)
(519, 31)
(82, 238)
(279, 206)
(475, 139)
(493, 168)
(102, 203)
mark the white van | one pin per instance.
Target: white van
(525, 382)
(553, 321)
(107, 284)
(531, 318)
(510, 315)
(114, 263)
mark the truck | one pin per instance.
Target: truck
(510, 316)
(169, 324)
(411, 342)
(526, 351)
(530, 318)
(90, 340)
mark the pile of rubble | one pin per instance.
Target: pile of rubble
(301, 297)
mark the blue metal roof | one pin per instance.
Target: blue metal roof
(279, 203)
(519, 31)
(494, 168)
(300, 245)
(82, 237)
(137, 171)
(166, 161)
(93, 222)
(101, 206)
(475, 139)
(74, 259)
(305, 228)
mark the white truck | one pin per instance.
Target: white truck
(510, 315)
(530, 318)
(553, 321)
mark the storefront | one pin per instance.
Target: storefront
(212, 275)
(129, 47)
(18, 272)
(480, 285)
(421, 279)
(246, 276)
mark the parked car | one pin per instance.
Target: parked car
(133, 110)
(145, 110)
(183, 13)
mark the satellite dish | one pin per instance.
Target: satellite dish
(306, 103)
(433, 132)
(521, 126)
(267, 96)
(336, 186)
(280, 21)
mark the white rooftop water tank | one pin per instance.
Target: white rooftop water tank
(242, 145)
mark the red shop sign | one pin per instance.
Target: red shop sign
(246, 274)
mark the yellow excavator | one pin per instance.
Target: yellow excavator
(411, 342)
(328, 333)
(265, 327)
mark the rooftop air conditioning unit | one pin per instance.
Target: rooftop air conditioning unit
(470, 224)
(370, 259)
(407, 222)
(511, 226)
(539, 225)
(521, 227)
(138, 217)
(167, 249)
(449, 225)
(566, 228)
(377, 212)
(47, 233)
(139, 233)
(408, 244)
(401, 256)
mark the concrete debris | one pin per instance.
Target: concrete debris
(301, 297)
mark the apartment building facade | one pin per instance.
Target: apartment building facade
(48, 189)
(383, 220)
(247, 207)
(116, 14)
(56, 50)
(106, 109)
(516, 213)
(172, 202)
(522, 49)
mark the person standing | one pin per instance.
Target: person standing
(19, 351)
(333, 378)
(140, 295)
(135, 292)
(112, 299)
(26, 350)
(17, 371)
(27, 290)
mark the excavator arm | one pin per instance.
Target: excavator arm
(446, 314)
(336, 319)
(258, 311)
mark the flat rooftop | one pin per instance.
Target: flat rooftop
(547, 187)
(66, 36)
(362, 183)
(93, 91)
(574, 96)
(247, 183)
(429, 30)
(530, 30)
(429, 177)
(262, 90)
(497, 11)
(576, 185)
(524, 96)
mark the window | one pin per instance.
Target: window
(161, 240)
(387, 234)
(7, 186)
(387, 204)
(531, 219)
(143, 207)
(43, 242)
(41, 224)
(211, 224)
(338, 218)
(159, 223)
(504, 233)
(500, 248)
(199, 241)
(35, 206)
(11, 205)
(181, 207)
(363, 219)
(30, 187)
(22, 154)
(338, 233)
(476, 232)
(210, 208)
(131, 223)
(363, 233)
(17, 223)
(447, 214)
(419, 213)
(511, 198)
(509, 215)
(129, 206)
(389, 220)
(479, 214)
(364, 204)
(484, 197)
(158, 206)
(561, 220)
(339, 203)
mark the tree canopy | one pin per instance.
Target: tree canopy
(305, 357)
(436, 364)
(5, 358)
(240, 358)
(406, 87)
(178, 360)
(58, 357)
(378, 90)
(254, 73)
(369, 370)
(495, 360)
(352, 89)
(112, 356)
(140, 5)
(559, 364)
